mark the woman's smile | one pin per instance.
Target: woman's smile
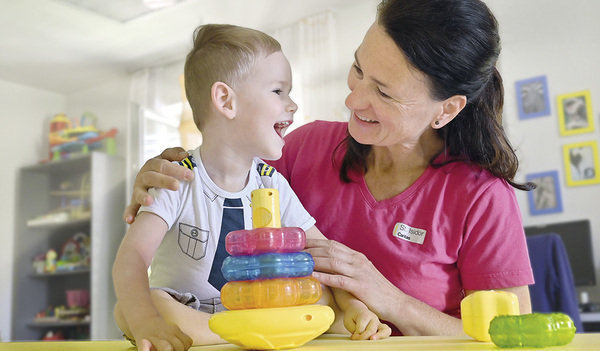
(364, 119)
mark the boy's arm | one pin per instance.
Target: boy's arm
(361, 322)
(130, 277)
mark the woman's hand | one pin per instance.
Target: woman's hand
(338, 266)
(157, 172)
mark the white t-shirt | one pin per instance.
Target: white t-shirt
(194, 214)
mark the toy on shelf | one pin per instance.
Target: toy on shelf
(77, 309)
(78, 298)
(74, 254)
(72, 314)
(532, 330)
(50, 261)
(269, 291)
(74, 204)
(78, 305)
(39, 264)
(47, 315)
(78, 333)
(62, 313)
(68, 138)
(51, 335)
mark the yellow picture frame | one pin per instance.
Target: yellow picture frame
(581, 163)
(575, 114)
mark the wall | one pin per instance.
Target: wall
(562, 41)
(23, 111)
(109, 102)
(352, 24)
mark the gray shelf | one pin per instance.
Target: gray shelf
(36, 196)
(76, 271)
(58, 324)
(60, 225)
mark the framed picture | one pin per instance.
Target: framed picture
(546, 197)
(581, 163)
(575, 113)
(532, 97)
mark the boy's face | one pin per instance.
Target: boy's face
(265, 107)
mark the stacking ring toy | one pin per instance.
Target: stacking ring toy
(266, 239)
(269, 265)
(270, 293)
(272, 328)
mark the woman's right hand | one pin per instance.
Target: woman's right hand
(157, 172)
(338, 266)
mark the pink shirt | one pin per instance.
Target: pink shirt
(456, 228)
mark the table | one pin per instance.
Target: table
(327, 342)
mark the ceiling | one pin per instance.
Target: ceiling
(68, 45)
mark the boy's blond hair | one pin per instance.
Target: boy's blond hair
(221, 53)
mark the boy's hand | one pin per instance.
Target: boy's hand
(156, 335)
(364, 324)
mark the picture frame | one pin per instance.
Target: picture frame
(575, 114)
(581, 163)
(546, 198)
(532, 97)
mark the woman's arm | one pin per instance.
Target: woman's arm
(157, 172)
(341, 267)
(418, 318)
(362, 323)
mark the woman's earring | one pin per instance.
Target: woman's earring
(437, 123)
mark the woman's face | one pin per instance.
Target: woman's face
(389, 100)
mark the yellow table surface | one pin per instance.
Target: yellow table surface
(587, 342)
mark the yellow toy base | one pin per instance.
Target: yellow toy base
(272, 328)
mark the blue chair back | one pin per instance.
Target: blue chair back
(554, 288)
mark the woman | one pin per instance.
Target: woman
(414, 191)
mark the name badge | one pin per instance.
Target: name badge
(408, 233)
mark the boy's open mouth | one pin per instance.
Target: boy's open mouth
(280, 127)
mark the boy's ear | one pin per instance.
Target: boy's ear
(223, 99)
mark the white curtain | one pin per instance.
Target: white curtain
(311, 47)
(153, 122)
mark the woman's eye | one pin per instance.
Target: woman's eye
(382, 93)
(357, 69)
(278, 91)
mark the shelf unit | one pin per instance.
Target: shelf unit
(39, 193)
(85, 270)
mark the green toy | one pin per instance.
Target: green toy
(532, 330)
